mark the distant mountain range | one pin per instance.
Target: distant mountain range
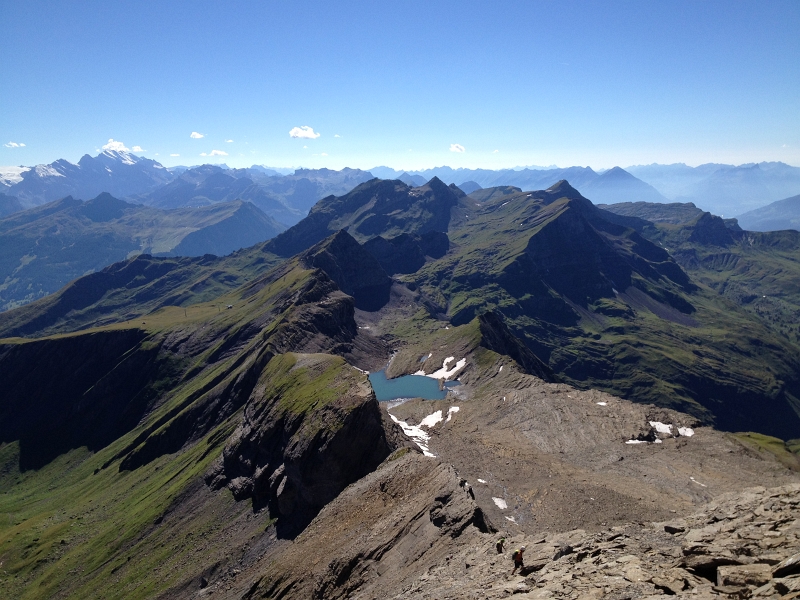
(118, 173)
(288, 194)
(725, 190)
(44, 248)
(284, 197)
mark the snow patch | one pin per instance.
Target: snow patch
(602, 403)
(417, 435)
(512, 519)
(697, 482)
(501, 504)
(46, 171)
(685, 431)
(661, 427)
(444, 372)
(451, 411)
(481, 481)
(501, 369)
(635, 442)
(432, 419)
(11, 175)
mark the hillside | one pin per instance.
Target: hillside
(758, 271)
(44, 248)
(780, 215)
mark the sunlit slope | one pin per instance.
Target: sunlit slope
(606, 308)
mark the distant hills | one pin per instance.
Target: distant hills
(287, 195)
(44, 248)
(726, 190)
(285, 198)
(783, 214)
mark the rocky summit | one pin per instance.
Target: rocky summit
(615, 389)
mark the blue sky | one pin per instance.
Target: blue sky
(403, 84)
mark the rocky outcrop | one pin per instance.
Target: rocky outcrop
(378, 535)
(740, 546)
(496, 337)
(406, 253)
(310, 427)
(353, 269)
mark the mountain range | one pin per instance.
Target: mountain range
(721, 189)
(287, 195)
(183, 426)
(284, 197)
(44, 248)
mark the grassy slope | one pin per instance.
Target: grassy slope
(107, 517)
(628, 344)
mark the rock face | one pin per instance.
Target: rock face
(311, 427)
(411, 513)
(386, 208)
(353, 269)
(406, 253)
(497, 337)
(739, 546)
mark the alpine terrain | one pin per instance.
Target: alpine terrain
(615, 388)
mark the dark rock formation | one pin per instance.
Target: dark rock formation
(353, 269)
(311, 427)
(406, 253)
(497, 337)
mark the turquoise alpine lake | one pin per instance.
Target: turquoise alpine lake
(407, 386)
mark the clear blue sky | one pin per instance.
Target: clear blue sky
(401, 83)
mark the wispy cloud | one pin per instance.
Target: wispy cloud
(14, 145)
(174, 154)
(496, 151)
(116, 146)
(214, 153)
(197, 136)
(137, 149)
(303, 132)
(457, 148)
(228, 141)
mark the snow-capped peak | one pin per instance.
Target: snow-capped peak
(125, 158)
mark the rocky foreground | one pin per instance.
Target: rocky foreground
(743, 545)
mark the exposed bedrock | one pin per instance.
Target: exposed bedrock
(311, 427)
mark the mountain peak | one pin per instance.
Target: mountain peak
(563, 190)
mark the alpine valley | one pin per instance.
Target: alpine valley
(193, 417)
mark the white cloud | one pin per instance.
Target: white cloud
(303, 132)
(137, 149)
(457, 148)
(324, 154)
(14, 145)
(197, 136)
(337, 135)
(496, 151)
(228, 141)
(305, 146)
(116, 146)
(174, 154)
(215, 153)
